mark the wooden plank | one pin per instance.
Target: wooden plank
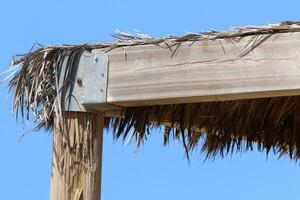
(77, 157)
(204, 71)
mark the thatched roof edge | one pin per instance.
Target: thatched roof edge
(223, 127)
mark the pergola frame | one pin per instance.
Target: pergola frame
(199, 71)
(137, 82)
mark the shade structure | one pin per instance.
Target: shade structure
(218, 91)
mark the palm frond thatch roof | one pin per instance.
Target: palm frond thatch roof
(217, 128)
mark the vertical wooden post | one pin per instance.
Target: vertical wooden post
(77, 156)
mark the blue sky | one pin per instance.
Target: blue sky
(154, 171)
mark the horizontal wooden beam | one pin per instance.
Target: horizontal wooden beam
(204, 71)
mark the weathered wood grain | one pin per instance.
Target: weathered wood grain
(77, 157)
(204, 71)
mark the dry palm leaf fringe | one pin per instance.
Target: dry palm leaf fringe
(223, 127)
(220, 128)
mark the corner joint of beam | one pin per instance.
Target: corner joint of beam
(83, 83)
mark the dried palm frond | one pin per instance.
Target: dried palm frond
(223, 126)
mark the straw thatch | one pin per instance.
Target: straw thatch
(218, 128)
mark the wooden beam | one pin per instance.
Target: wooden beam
(204, 71)
(77, 157)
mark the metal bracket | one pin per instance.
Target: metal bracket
(83, 82)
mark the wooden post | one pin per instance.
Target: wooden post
(77, 156)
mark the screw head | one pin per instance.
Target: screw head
(79, 82)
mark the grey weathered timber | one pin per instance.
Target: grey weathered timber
(203, 71)
(77, 157)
